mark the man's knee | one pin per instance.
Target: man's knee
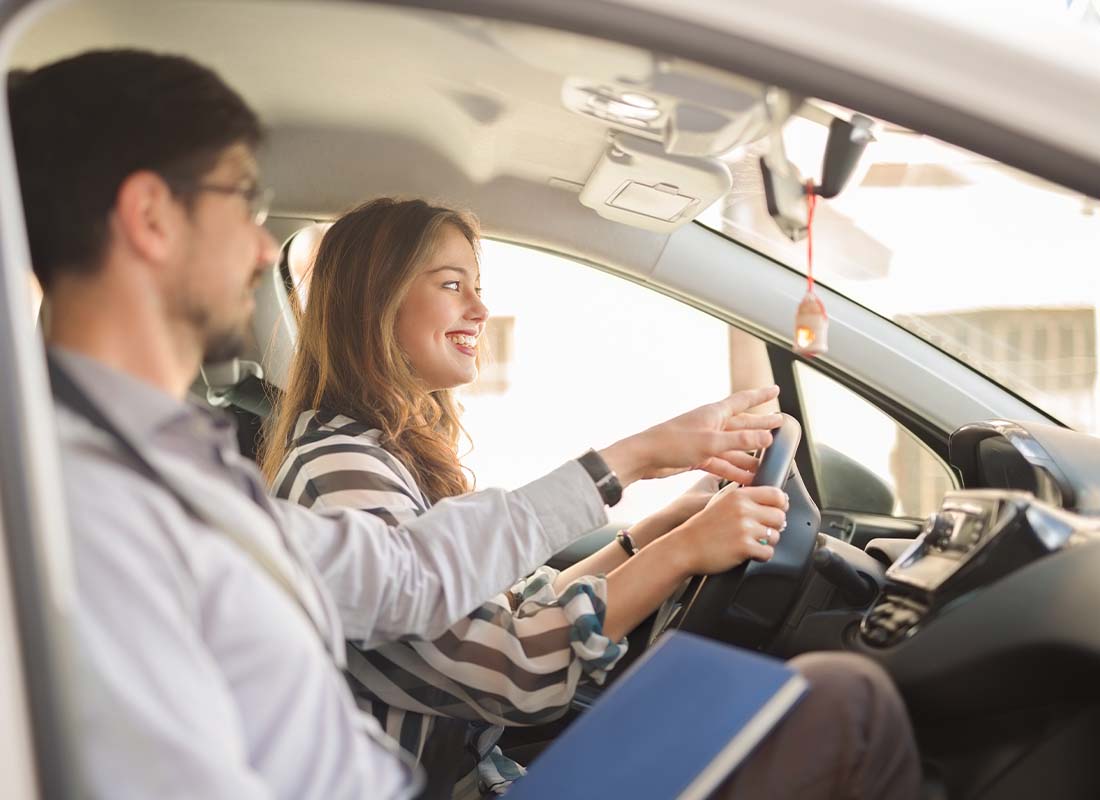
(855, 698)
(859, 703)
(846, 675)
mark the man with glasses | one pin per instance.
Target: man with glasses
(211, 618)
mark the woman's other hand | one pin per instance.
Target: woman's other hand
(735, 525)
(683, 508)
(728, 530)
(713, 438)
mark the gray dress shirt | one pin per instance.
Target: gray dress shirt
(199, 676)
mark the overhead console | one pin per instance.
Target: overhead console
(674, 128)
(671, 131)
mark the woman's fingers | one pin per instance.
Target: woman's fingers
(758, 515)
(739, 466)
(759, 552)
(743, 440)
(742, 460)
(721, 468)
(766, 496)
(742, 401)
(771, 517)
(765, 422)
(707, 484)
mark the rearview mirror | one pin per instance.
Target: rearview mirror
(785, 191)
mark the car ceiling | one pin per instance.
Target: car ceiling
(366, 100)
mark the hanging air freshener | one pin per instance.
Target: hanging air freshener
(811, 323)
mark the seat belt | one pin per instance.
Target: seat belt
(445, 757)
(66, 391)
(444, 752)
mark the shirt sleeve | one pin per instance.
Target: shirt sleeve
(505, 667)
(157, 718)
(418, 578)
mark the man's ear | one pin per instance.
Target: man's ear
(147, 216)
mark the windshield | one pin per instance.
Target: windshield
(994, 266)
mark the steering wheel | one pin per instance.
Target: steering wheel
(748, 604)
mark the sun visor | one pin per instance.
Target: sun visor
(635, 182)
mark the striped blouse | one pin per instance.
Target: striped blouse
(515, 660)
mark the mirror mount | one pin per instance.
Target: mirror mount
(785, 189)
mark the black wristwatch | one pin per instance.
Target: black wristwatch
(607, 482)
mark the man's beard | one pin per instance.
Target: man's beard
(224, 345)
(221, 340)
(222, 331)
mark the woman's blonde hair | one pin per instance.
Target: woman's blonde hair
(347, 359)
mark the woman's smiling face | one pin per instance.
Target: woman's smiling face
(441, 319)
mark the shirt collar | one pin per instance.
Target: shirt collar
(131, 404)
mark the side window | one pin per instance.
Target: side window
(864, 460)
(583, 358)
(579, 358)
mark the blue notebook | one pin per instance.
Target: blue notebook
(673, 726)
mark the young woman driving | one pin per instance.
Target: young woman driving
(393, 324)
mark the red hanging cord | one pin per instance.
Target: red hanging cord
(811, 323)
(811, 201)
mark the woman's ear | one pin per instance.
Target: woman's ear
(147, 216)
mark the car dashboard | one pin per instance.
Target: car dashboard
(1058, 466)
(1001, 581)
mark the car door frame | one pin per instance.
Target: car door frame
(37, 565)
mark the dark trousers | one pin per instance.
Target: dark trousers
(848, 739)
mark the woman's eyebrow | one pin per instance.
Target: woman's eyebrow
(460, 270)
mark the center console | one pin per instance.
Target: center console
(978, 536)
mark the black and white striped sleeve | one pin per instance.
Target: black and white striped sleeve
(343, 472)
(502, 664)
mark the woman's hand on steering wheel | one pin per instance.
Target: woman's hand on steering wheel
(653, 527)
(735, 525)
(680, 510)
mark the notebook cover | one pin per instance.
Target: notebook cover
(673, 726)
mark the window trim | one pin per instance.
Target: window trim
(791, 402)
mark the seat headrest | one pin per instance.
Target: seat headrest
(275, 325)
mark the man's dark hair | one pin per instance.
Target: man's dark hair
(82, 125)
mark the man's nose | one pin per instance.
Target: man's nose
(269, 248)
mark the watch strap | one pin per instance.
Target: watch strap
(607, 482)
(626, 542)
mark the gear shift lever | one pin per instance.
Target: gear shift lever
(858, 588)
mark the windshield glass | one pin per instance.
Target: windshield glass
(994, 266)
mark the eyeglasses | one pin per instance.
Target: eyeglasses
(258, 198)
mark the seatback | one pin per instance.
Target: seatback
(249, 385)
